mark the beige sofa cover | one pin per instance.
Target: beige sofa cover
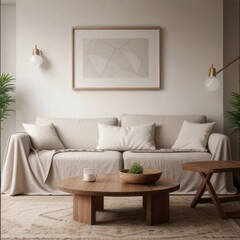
(28, 172)
(167, 129)
(35, 173)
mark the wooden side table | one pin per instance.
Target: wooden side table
(206, 170)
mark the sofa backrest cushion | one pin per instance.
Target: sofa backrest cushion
(167, 126)
(126, 138)
(78, 133)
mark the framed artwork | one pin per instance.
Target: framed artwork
(119, 58)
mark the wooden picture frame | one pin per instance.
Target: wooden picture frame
(115, 58)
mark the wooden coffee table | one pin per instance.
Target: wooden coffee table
(206, 170)
(88, 197)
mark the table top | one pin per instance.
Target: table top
(112, 185)
(212, 166)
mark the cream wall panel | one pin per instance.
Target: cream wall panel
(191, 40)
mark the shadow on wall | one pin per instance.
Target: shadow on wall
(46, 64)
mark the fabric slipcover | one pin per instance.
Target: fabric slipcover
(25, 172)
(39, 174)
(170, 165)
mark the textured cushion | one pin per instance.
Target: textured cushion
(171, 166)
(126, 138)
(43, 137)
(193, 136)
(167, 126)
(78, 133)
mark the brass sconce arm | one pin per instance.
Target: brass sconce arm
(213, 72)
(238, 58)
(212, 83)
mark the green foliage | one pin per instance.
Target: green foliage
(233, 117)
(6, 87)
(136, 168)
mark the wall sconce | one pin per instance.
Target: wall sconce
(212, 83)
(36, 56)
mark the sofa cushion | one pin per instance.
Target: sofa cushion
(71, 164)
(43, 137)
(194, 136)
(78, 133)
(126, 138)
(170, 165)
(167, 126)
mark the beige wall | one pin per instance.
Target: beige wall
(191, 41)
(8, 62)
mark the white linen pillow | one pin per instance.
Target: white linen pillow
(43, 137)
(194, 136)
(126, 138)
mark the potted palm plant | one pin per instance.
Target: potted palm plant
(233, 117)
(7, 87)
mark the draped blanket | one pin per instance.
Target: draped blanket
(27, 171)
(36, 172)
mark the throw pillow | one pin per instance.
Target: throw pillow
(194, 136)
(43, 137)
(126, 138)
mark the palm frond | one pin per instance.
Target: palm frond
(7, 86)
(233, 117)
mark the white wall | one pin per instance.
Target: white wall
(8, 62)
(191, 41)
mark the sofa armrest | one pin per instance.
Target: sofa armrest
(15, 163)
(17, 140)
(24, 139)
(219, 147)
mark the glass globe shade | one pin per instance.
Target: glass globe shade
(211, 84)
(36, 59)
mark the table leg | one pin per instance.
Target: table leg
(206, 184)
(157, 208)
(144, 202)
(201, 189)
(236, 175)
(215, 199)
(99, 203)
(84, 209)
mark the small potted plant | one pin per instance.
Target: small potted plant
(137, 175)
(136, 168)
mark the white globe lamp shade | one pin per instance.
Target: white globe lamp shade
(37, 60)
(36, 56)
(211, 84)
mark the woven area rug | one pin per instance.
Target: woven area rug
(50, 217)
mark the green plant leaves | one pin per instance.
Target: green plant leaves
(7, 87)
(136, 168)
(233, 117)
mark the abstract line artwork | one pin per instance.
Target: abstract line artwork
(115, 58)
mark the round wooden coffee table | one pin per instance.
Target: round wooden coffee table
(88, 197)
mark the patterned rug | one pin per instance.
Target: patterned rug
(50, 217)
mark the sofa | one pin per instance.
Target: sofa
(27, 171)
